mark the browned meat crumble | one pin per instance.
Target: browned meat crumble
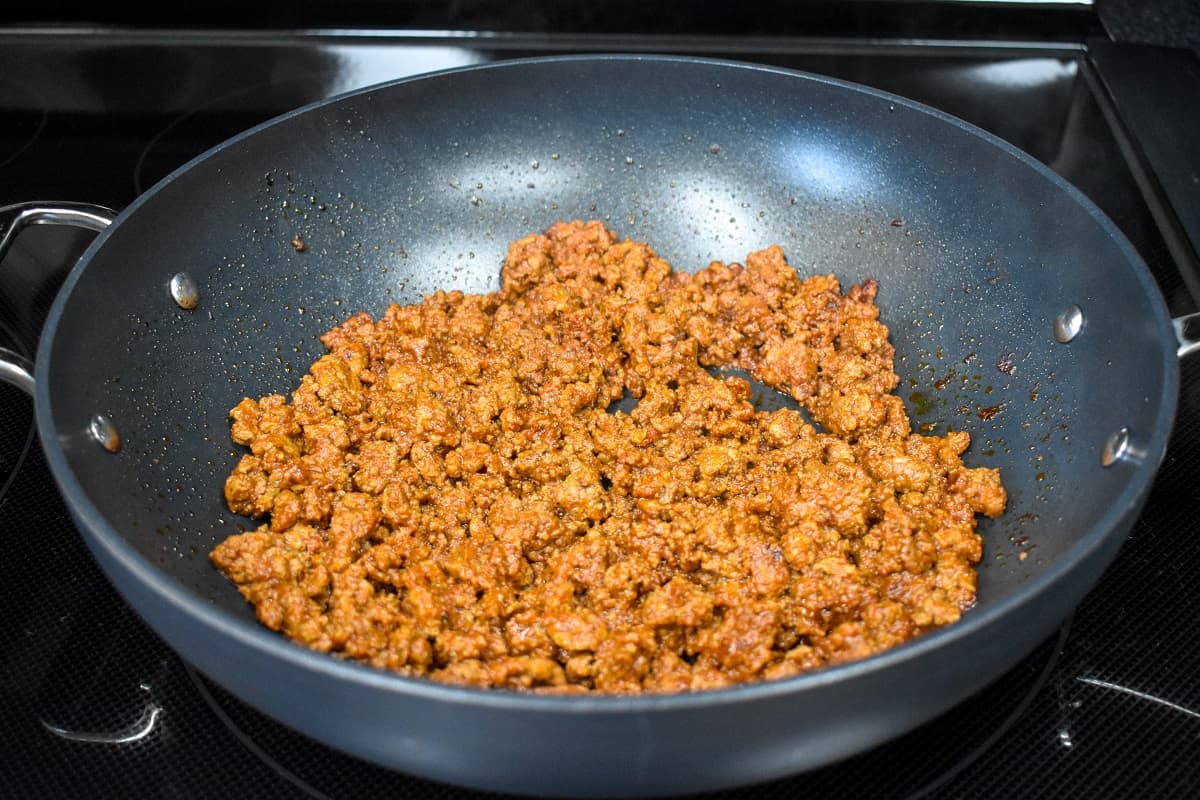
(449, 494)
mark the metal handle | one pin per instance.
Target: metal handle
(15, 368)
(1187, 331)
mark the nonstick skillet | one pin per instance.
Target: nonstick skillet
(1018, 313)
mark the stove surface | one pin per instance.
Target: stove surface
(96, 705)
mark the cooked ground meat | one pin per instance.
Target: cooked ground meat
(451, 494)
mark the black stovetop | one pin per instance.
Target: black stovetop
(95, 705)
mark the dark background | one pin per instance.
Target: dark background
(1174, 23)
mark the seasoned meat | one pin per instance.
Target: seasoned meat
(451, 492)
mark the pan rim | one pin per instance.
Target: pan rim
(99, 533)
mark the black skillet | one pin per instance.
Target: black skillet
(1018, 312)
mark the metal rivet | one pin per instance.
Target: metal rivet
(1068, 323)
(185, 291)
(104, 433)
(1116, 448)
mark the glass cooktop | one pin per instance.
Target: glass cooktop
(95, 705)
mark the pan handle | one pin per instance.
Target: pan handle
(14, 367)
(1187, 331)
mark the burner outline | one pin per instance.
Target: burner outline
(41, 123)
(247, 742)
(1019, 711)
(925, 790)
(139, 188)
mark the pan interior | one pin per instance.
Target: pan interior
(420, 185)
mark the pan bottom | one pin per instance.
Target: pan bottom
(916, 764)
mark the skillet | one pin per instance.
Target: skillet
(1002, 285)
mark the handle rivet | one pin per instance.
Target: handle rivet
(104, 433)
(185, 291)
(1116, 448)
(1068, 323)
